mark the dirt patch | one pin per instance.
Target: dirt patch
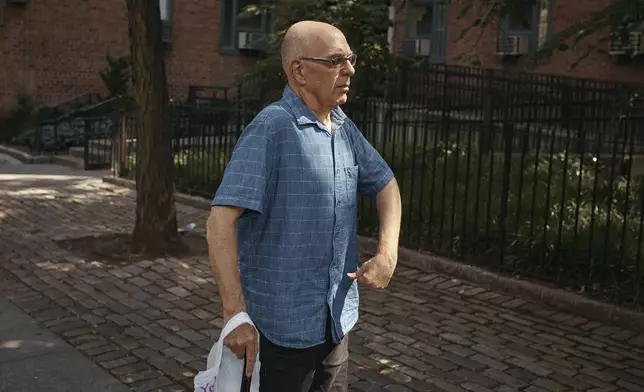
(115, 248)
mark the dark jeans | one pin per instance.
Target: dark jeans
(321, 368)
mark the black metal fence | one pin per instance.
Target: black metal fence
(83, 128)
(202, 136)
(534, 175)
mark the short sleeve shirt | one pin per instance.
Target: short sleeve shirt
(298, 183)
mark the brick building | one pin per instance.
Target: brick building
(54, 50)
(433, 27)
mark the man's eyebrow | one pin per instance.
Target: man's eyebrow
(340, 53)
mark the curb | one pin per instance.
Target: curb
(557, 298)
(23, 156)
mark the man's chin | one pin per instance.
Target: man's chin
(342, 99)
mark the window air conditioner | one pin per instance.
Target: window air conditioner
(248, 40)
(417, 46)
(637, 43)
(634, 45)
(512, 45)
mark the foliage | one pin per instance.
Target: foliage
(569, 219)
(364, 23)
(196, 172)
(19, 117)
(116, 77)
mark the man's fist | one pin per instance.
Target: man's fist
(376, 272)
(243, 341)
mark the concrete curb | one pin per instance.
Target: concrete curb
(558, 298)
(23, 156)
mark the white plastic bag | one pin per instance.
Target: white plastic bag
(224, 371)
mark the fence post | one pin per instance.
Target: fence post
(508, 133)
(123, 140)
(86, 132)
(488, 114)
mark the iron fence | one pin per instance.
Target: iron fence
(534, 175)
(202, 140)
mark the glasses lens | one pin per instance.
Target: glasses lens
(352, 59)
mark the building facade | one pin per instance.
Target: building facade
(434, 28)
(54, 50)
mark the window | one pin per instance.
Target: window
(232, 24)
(532, 21)
(165, 7)
(426, 29)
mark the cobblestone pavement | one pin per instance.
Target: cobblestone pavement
(152, 323)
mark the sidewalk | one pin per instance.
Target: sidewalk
(151, 323)
(34, 359)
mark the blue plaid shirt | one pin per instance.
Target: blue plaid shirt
(298, 184)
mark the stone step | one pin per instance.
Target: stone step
(97, 152)
(69, 161)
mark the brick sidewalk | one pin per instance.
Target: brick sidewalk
(152, 323)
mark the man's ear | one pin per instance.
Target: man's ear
(298, 72)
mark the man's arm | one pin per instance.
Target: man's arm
(377, 271)
(389, 207)
(224, 257)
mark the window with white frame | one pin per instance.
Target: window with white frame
(236, 29)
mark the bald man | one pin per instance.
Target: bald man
(282, 228)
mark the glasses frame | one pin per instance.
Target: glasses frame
(336, 61)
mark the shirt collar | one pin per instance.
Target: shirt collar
(303, 114)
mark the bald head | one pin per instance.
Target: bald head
(306, 38)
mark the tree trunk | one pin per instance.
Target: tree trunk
(155, 231)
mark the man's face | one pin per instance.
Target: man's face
(328, 70)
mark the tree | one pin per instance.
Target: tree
(155, 229)
(364, 23)
(117, 76)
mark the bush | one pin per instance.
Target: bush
(196, 172)
(573, 224)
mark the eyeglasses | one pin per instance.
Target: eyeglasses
(336, 62)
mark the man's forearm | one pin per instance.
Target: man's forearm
(389, 208)
(224, 259)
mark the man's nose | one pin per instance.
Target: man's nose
(349, 69)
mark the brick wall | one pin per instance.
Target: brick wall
(55, 49)
(598, 65)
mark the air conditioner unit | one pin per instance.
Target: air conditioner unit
(634, 46)
(248, 40)
(418, 46)
(422, 46)
(637, 42)
(512, 45)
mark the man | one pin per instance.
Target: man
(282, 229)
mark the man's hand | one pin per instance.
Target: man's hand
(243, 341)
(376, 272)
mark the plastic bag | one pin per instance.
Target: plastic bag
(224, 372)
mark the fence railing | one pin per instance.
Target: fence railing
(202, 138)
(532, 175)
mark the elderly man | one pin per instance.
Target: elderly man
(282, 228)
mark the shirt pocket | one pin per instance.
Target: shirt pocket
(348, 189)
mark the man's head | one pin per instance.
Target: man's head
(318, 62)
